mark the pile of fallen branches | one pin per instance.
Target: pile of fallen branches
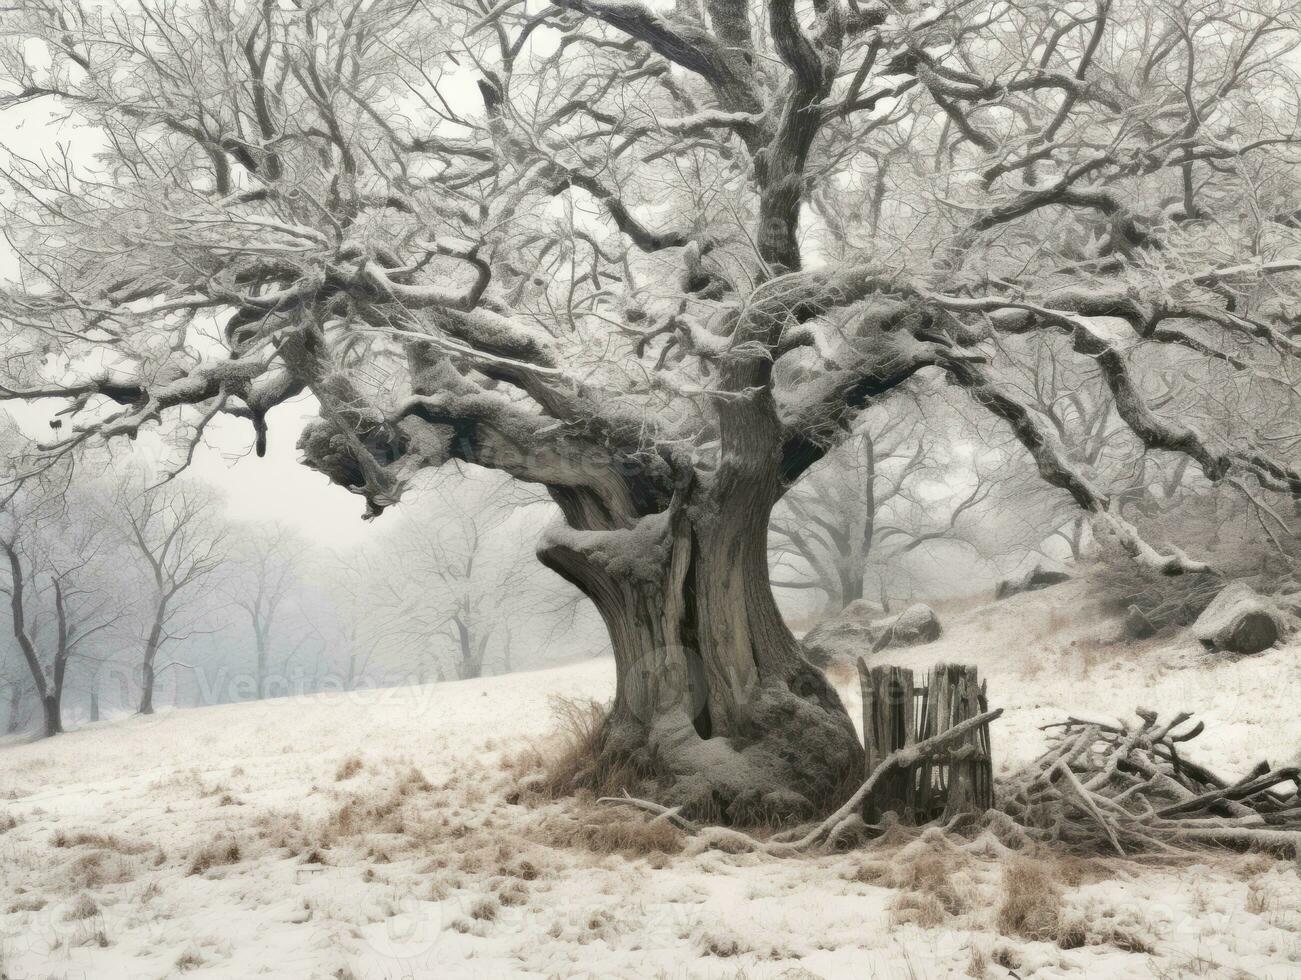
(1129, 789)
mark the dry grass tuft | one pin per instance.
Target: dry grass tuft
(27, 903)
(574, 757)
(348, 768)
(103, 842)
(604, 830)
(1031, 900)
(917, 908)
(934, 866)
(214, 856)
(935, 876)
(7, 822)
(189, 960)
(83, 908)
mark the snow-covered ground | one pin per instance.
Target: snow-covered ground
(379, 835)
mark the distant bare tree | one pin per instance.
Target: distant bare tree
(266, 578)
(16, 689)
(173, 529)
(362, 607)
(59, 592)
(458, 579)
(899, 482)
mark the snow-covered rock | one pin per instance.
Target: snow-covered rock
(842, 638)
(834, 641)
(1240, 620)
(861, 611)
(915, 625)
(1039, 577)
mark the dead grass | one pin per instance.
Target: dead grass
(98, 868)
(348, 768)
(917, 908)
(214, 855)
(27, 903)
(102, 842)
(83, 908)
(935, 877)
(382, 812)
(574, 757)
(189, 960)
(1031, 900)
(605, 830)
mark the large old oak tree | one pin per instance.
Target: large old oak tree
(656, 258)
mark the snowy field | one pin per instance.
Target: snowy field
(381, 835)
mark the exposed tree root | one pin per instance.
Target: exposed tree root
(803, 840)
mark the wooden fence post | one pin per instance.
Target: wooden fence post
(896, 714)
(888, 724)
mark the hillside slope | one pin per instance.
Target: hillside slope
(381, 834)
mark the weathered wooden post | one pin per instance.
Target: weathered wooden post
(888, 724)
(961, 780)
(897, 714)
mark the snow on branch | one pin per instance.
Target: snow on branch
(1055, 468)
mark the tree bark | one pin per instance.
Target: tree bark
(262, 663)
(52, 715)
(14, 721)
(715, 705)
(148, 675)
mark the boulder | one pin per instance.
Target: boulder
(1240, 620)
(1039, 577)
(841, 640)
(860, 611)
(914, 626)
(835, 641)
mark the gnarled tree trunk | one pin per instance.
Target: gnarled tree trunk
(714, 704)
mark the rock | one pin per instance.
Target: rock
(914, 626)
(1165, 603)
(1137, 625)
(860, 611)
(841, 640)
(1039, 577)
(1239, 620)
(833, 641)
